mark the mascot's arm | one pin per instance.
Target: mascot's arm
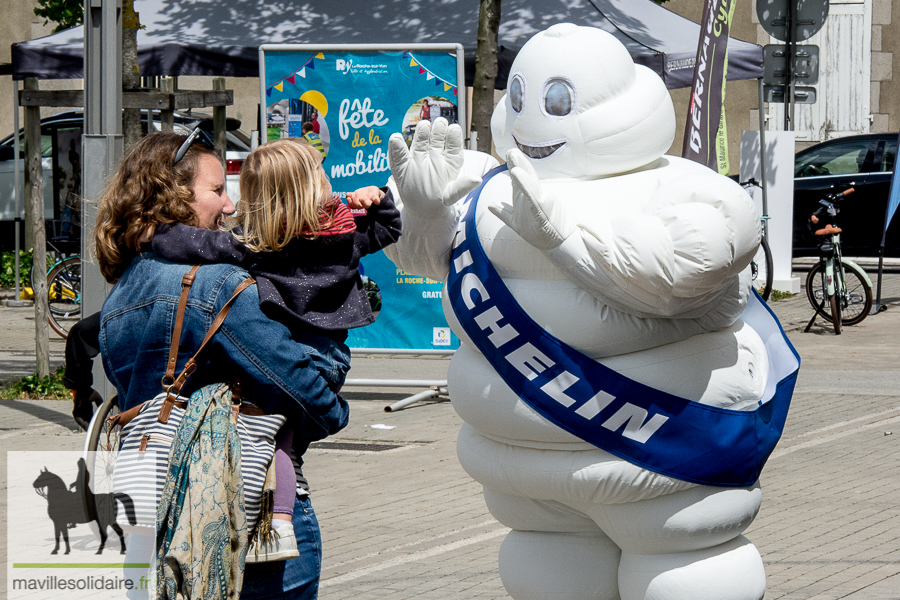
(427, 180)
(681, 256)
(424, 246)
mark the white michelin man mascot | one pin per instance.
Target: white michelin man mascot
(616, 255)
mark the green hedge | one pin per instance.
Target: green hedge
(32, 387)
(8, 269)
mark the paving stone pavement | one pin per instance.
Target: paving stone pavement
(407, 522)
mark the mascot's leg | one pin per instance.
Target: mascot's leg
(687, 545)
(538, 565)
(729, 571)
(553, 553)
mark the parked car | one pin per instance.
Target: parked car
(61, 154)
(863, 162)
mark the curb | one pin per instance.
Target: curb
(8, 298)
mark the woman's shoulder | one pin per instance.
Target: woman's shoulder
(211, 282)
(222, 274)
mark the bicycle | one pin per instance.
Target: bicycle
(63, 283)
(834, 280)
(761, 267)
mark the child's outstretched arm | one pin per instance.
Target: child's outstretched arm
(364, 197)
(186, 244)
(380, 226)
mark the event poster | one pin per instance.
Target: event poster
(354, 102)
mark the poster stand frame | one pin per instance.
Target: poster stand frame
(435, 388)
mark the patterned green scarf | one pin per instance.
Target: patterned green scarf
(201, 528)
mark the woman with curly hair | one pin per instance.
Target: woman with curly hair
(168, 179)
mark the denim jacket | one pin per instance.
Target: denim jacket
(137, 323)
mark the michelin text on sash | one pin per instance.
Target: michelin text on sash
(531, 362)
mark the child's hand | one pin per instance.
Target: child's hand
(364, 197)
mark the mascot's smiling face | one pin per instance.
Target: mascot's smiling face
(578, 106)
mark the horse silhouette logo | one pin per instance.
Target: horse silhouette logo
(68, 507)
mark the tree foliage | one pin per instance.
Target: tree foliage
(65, 13)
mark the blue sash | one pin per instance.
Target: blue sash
(645, 426)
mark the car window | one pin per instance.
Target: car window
(234, 140)
(46, 145)
(889, 156)
(836, 159)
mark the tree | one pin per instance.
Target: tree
(65, 13)
(485, 72)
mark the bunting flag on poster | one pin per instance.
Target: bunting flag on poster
(356, 101)
(429, 75)
(705, 121)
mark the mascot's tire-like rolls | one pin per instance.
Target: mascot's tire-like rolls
(635, 259)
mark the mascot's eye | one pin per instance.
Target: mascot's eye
(517, 93)
(559, 98)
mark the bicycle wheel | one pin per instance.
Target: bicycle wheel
(95, 479)
(835, 313)
(64, 295)
(817, 289)
(855, 300)
(856, 297)
(761, 269)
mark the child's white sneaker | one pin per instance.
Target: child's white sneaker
(281, 546)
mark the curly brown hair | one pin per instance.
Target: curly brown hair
(146, 191)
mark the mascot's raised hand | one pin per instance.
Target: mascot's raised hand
(535, 214)
(427, 174)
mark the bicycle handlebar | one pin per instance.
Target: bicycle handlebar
(828, 205)
(838, 196)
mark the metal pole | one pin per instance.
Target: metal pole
(103, 67)
(792, 51)
(762, 162)
(397, 382)
(876, 308)
(401, 351)
(789, 66)
(102, 142)
(416, 398)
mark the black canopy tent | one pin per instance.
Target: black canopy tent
(207, 37)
